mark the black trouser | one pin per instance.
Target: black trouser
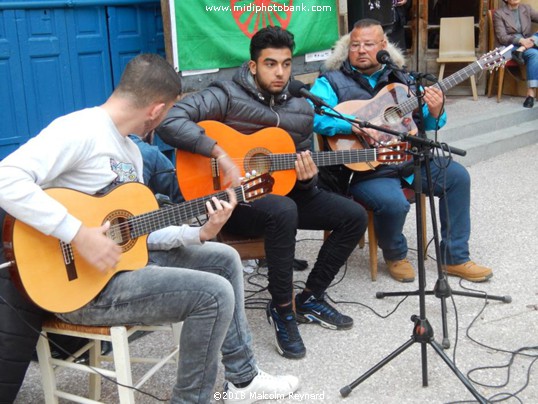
(20, 324)
(17, 338)
(277, 218)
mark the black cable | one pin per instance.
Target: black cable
(254, 303)
(502, 396)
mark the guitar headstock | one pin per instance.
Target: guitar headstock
(394, 153)
(496, 58)
(255, 186)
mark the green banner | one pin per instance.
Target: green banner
(213, 34)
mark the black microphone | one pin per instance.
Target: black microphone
(384, 58)
(298, 89)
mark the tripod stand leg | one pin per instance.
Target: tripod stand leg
(504, 299)
(446, 341)
(456, 371)
(344, 391)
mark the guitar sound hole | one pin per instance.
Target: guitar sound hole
(120, 230)
(258, 160)
(392, 115)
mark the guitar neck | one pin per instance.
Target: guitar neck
(175, 215)
(286, 161)
(444, 85)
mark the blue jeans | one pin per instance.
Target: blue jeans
(159, 172)
(199, 285)
(530, 56)
(385, 197)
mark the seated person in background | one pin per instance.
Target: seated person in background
(159, 172)
(255, 99)
(396, 32)
(353, 73)
(187, 279)
(513, 26)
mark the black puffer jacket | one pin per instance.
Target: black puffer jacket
(241, 105)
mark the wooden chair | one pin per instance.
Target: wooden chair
(248, 248)
(456, 45)
(120, 357)
(372, 237)
(511, 66)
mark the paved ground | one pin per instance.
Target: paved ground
(482, 333)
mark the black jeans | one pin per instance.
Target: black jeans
(277, 218)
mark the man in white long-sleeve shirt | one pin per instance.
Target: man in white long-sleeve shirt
(187, 279)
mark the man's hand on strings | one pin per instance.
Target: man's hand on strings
(305, 167)
(228, 169)
(434, 98)
(96, 248)
(218, 211)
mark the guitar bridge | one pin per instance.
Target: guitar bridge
(215, 174)
(69, 261)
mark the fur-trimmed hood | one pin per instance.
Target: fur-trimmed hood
(340, 53)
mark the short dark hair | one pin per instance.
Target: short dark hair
(270, 37)
(366, 22)
(149, 78)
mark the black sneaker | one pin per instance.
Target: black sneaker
(318, 310)
(289, 343)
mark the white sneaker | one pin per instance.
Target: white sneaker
(263, 387)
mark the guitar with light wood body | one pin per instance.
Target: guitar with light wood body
(56, 278)
(393, 106)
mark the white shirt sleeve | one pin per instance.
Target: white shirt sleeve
(173, 237)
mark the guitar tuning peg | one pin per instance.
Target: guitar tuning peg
(248, 175)
(254, 173)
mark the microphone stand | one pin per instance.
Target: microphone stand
(422, 330)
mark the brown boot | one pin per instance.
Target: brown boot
(469, 271)
(401, 270)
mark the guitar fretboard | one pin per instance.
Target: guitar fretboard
(286, 161)
(175, 215)
(446, 84)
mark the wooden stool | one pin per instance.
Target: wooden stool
(120, 357)
(248, 248)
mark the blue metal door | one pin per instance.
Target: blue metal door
(57, 60)
(13, 123)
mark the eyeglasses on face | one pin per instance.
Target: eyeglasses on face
(368, 46)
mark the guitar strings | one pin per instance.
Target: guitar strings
(409, 105)
(283, 161)
(170, 215)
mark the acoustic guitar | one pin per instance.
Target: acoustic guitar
(56, 278)
(393, 106)
(268, 150)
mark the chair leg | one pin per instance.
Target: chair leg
(473, 87)
(48, 378)
(176, 335)
(372, 246)
(122, 363)
(500, 84)
(95, 362)
(362, 241)
(490, 83)
(441, 71)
